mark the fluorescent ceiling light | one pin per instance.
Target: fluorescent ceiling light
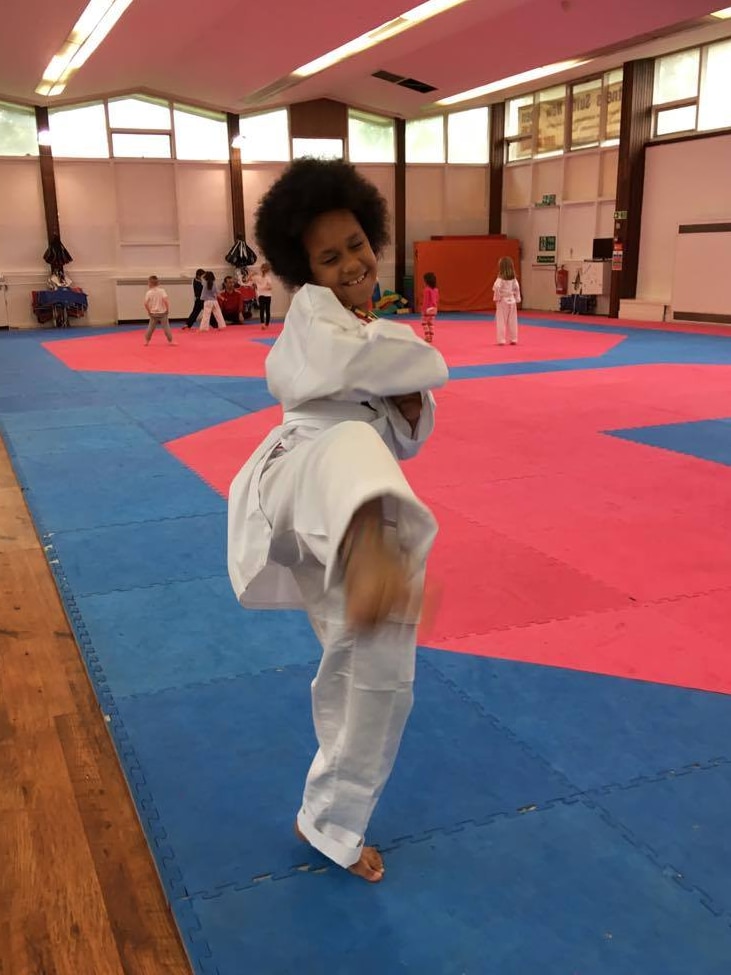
(724, 14)
(97, 20)
(517, 79)
(405, 21)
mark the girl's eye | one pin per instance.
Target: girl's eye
(330, 260)
(356, 245)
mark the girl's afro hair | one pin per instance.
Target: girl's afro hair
(307, 189)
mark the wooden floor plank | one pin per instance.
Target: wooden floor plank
(79, 894)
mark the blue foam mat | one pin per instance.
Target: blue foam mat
(249, 766)
(138, 555)
(77, 490)
(555, 892)
(680, 820)
(596, 730)
(178, 633)
(707, 439)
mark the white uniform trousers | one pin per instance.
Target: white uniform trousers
(363, 691)
(506, 318)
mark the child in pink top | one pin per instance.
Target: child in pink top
(429, 305)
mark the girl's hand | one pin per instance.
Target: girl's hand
(409, 405)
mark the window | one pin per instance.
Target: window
(200, 134)
(676, 77)
(536, 124)
(79, 132)
(691, 89)
(139, 113)
(136, 145)
(551, 108)
(675, 120)
(265, 137)
(714, 110)
(613, 102)
(467, 136)
(129, 118)
(425, 140)
(370, 138)
(519, 128)
(586, 113)
(596, 111)
(319, 148)
(18, 133)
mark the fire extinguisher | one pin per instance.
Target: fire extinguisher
(561, 278)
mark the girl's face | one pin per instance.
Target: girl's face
(341, 257)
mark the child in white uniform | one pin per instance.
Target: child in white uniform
(321, 515)
(506, 293)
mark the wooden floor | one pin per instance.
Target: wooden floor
(79, 894)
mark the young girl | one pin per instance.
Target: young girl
(321, 515)
(264, 286)
(506, 293)
(429, 305)
(209, 297)
(197, 303)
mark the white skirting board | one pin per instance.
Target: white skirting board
(639, 310)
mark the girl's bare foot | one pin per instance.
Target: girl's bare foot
(376, 575)
(370, 865)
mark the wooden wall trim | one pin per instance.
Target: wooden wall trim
(321, 118)
(635, 133)
(48, 177)
(399, 214)
(497, 167)
(236, 180)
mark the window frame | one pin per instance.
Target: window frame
(362, 115)
(568, 147)
(462, 111)
(160, 132)
(431, 162)
(23, 110)
(268, 162)
(660, 109)
(214, 116)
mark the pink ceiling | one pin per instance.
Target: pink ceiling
(219, 54)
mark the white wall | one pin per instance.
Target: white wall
(584, 184)
(446, 200)
(22, 237)
(685, 182)
(384, 177)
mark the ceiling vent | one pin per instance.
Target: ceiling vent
(397, 79)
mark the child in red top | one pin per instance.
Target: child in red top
(429, 305)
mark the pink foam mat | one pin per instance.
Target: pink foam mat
(239, 351)
(559, 543)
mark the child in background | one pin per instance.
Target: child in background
(157, 306)
(506, 293)
(264, 286)
(197, 303)
(209, 297)
(321, 515)
(429, 305)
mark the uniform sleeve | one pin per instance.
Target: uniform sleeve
(326, 352)
(516, 290)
